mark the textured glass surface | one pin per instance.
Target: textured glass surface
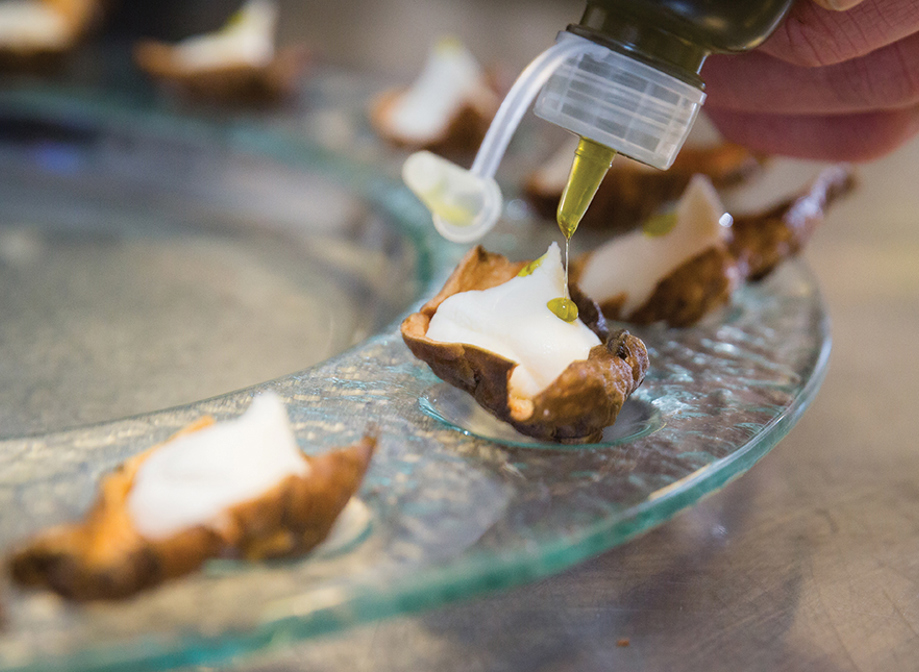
(142, 269)
(451, 515)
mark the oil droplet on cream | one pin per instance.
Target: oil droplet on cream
(563, 308)
(530, 267)
(659, 225)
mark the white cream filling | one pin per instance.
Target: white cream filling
(451, 77)
(248, 38)
(635, 263)
(27, 24)
(512, 320)
(192, 479)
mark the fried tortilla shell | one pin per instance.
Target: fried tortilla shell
(575, 407)
(104, 557)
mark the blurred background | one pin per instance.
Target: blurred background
(390, 38)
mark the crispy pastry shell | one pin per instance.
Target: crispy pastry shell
(104, 557)
(762, 240)
(233, 83)
(691, 291)
(81, 17)
(462, 133)
(575, 407)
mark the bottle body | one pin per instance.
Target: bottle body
(679, 34)
(719, 25)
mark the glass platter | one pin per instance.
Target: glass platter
(119, 189)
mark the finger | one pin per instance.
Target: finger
(755, 82)
(856, 137)
(811, 36)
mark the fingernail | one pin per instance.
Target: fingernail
(838, 5)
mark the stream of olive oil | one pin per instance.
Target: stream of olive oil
(590, 165)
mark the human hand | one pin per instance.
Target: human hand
(838, 84)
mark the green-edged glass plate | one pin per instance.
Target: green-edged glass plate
(151, 261)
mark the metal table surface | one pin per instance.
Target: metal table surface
(808, 562)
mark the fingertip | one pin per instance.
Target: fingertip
(837, 5)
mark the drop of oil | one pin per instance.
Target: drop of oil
(659, 225)
(563, 308)
(530, 267)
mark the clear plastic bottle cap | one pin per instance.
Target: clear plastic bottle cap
(620, 102)
(463, 205)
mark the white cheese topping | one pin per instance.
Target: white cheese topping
(451, 77)
(27, 24)
(635, 263)
(248, 38)
(192, 479)
(512, 320)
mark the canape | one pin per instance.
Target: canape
(447, 109)
(237, 64)
(240, 488)
(35, 34)
(489, 332)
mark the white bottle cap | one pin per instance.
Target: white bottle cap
(620, 102)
